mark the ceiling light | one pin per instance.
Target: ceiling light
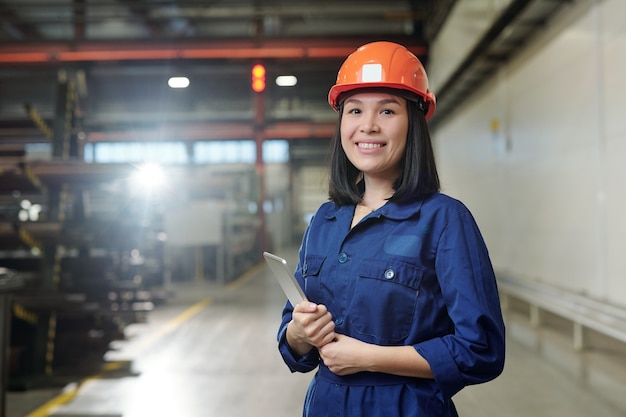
(286, 80)
(178, 82)
(148, 178)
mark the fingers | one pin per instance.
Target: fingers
(320, 336)
(306, 307)
(314, 322)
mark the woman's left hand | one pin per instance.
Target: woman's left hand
(346, 355)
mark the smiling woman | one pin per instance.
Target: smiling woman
(374, 128)
(384, 262)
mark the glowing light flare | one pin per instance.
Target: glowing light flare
(258, 71)
(149, 177)
(29, 211)
(258, 78)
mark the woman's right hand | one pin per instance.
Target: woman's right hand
(311, 326)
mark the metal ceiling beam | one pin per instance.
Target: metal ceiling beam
(200, 10)
(517, 23)
(440, 11)
(137, 51)
(15, 26)
(332, 10)
(217, 131)
(183, 131)
(141, 10)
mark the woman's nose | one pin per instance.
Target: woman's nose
(369, 125)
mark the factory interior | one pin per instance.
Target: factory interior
(152, 150)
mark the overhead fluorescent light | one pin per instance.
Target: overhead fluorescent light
(178, 82)
(286, 80)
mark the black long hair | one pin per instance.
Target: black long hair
(418, 177)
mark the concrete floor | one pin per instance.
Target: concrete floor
(211, 351)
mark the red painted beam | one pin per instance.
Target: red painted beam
(124, 51)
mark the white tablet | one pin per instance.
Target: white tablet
(285, 278)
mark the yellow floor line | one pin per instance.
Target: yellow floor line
(247, 276)
(72, 390)
(65, 397)
(173, 324)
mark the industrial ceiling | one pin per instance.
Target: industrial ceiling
(119, 55)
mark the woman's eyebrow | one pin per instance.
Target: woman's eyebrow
(352, 101)
(380, 102)
(389, 101)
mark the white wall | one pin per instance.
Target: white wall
(548, 185)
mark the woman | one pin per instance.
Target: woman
(404, 309)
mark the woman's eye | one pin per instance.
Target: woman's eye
(387, 111)
(353, 111)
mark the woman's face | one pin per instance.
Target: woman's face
(374, 128)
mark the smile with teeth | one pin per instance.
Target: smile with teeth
(366, 145)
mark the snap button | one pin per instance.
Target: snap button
(339, 321)
(343, 258)
(389, 274)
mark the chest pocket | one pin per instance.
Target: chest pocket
(310, 272)
(385, 298)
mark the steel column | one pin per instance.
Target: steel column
(259, 126)
(5, 337)
(6, 284)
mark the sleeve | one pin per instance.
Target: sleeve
(295, 362)
(474, 352)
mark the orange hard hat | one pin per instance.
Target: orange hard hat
(382, 64)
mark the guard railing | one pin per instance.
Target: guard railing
(583, 311)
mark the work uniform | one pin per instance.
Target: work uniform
(415, 273)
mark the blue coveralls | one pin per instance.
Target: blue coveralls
(415, 273)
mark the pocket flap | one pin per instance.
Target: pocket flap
(396, 271)
(312, 265)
